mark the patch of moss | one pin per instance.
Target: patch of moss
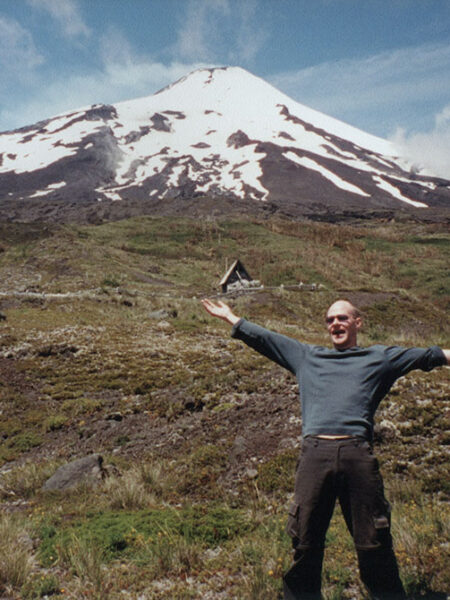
(111, 530)
(25, 441)
(277, 474)
(199, 472)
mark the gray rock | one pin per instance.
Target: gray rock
(83, 470)
(251, 473)
(239, 448)
(162, 313)
(385, 430)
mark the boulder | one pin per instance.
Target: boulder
(83, 470)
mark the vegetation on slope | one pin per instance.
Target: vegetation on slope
(106, 349)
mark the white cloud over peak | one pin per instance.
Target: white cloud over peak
(66, 13)
(250, 39)
(200, 27)
(225, 31)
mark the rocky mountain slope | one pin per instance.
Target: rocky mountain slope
(221, 134)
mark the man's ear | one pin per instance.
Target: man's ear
(359, 323)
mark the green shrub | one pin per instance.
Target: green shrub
(55, 422)
(78, 406)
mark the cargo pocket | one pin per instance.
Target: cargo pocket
(383, 530)
(293, 527)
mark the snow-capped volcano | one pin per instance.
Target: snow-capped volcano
(218, 133)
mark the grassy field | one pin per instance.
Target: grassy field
(105, 348)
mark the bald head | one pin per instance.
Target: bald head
(343, 323)
(340, 305)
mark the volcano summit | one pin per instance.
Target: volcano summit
(218, 134)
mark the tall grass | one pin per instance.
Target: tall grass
(86, 560)
(421, 532)
(128, 492)
(25, 480)
(16, 554)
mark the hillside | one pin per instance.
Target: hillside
(104, 348)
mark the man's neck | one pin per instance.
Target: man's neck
(342, 349)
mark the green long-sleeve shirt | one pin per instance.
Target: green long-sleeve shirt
(340, 390)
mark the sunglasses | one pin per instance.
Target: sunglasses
(340, 318)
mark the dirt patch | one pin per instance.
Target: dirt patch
(13, 377)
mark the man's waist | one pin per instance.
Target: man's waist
(333, 437)
(335, 430)
(325, 439)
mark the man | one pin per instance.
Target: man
(340, 390)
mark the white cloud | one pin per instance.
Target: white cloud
(115, 81)
(66, 13)
(382, 87)
(125, 74)
(18, 53)
(211, 32)
(120, 74)
(250, 37)
(443, 118)
(401, 91)
(224, 31)
(428, 150)
(114, 48)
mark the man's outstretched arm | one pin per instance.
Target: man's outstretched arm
(220, 310)
(447, 356)
(283, 350)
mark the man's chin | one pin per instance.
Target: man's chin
(339, 341)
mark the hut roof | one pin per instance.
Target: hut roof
(238, 267)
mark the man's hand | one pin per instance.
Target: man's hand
(221, 310)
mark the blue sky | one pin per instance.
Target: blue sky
(380, 65)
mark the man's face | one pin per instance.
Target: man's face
(343, 325)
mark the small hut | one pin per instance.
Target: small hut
(236, 278)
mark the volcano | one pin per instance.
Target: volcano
(218, 138)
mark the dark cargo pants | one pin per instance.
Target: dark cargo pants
(347, 470)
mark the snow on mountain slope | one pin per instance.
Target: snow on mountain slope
(218, 132)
